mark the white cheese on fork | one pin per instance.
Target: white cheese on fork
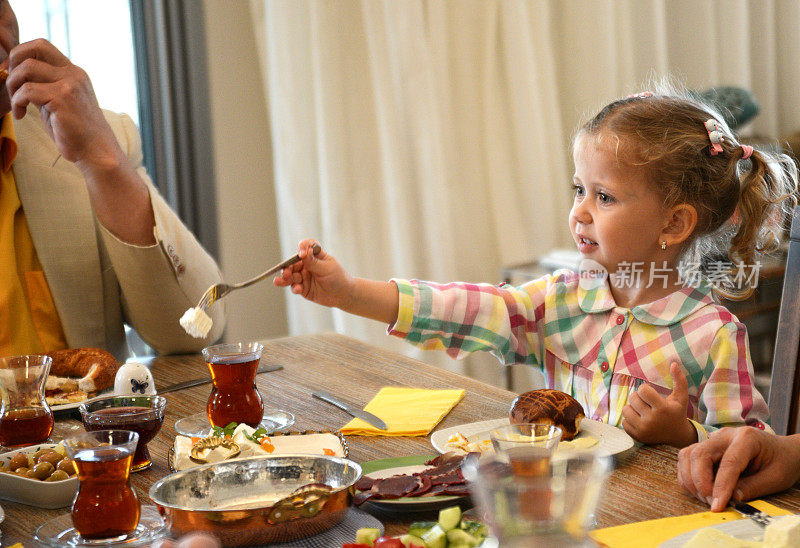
(196, 322)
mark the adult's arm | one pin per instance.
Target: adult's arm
(159, 282)
(161, 268)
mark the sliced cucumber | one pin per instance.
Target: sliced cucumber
(449, 518)
(435, 538)
(475, 528)
(367, 535)
(411, 540)
(419, 528)
(460, 537)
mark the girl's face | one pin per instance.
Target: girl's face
(615, 217)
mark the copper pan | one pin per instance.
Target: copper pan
(258, 500)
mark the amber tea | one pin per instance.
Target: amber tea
(234, 396)
(22, 427)
(106, 507)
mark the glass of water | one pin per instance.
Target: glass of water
(554, 507)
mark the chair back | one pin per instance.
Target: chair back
(784, 391)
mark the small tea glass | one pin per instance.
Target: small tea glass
(551, 509)
(527, 447)
(106, 508)
(234, 396)
(25, 417)
(141, 414)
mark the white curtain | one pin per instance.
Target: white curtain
(430, 138)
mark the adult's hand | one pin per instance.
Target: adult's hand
(749, 463)
(39, 73)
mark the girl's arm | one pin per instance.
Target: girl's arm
(461, 318)
(321, 279)
(730, 397)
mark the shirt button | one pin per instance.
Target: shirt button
(620, 320)
(604, 366)
(759, 425)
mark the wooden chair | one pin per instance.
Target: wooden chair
(784, 392)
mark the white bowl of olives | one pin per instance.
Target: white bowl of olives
(41, 475)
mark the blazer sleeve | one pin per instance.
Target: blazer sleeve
(159, 283)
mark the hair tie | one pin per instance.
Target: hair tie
(640, 95)
(747, 151)
(715, 136)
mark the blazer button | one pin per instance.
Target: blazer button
(604, 366)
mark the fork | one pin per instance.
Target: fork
(216, 292)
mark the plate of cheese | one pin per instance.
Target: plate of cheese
(248, 442)
(782, 532)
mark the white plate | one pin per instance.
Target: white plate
(742, 529)
(68, 406)
(611, 440)
(43, 494)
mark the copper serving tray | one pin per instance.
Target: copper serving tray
(258, 500)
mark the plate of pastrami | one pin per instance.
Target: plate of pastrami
(412, 483)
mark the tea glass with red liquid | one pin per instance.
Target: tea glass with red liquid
(234, 397)
(25, 417)
(106, 507)
(141, 414)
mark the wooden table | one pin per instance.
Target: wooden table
(642, 487)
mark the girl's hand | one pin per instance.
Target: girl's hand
(319, 278)
(653, 419)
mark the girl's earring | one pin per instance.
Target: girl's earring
(664, 244)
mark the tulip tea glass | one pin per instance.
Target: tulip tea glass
(554, 509)
(141, 414)
(527, 447)
(234, 397)
(106, 508)
(25, 417)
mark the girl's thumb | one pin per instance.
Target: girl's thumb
(680, 386)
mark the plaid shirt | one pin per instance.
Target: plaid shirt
(590, 348)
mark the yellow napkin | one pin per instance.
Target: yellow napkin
(406, 411)
(651, 533)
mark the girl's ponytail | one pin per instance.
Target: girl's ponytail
(767, 196)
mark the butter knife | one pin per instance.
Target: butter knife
(354, 411)
(752, 512)
(195, 382)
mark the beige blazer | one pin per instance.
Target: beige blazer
(97, 281)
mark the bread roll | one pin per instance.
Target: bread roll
(548, 407)
(94, 367)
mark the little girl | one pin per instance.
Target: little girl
(662, 189)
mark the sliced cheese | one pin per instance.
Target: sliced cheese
(783, 533)
(714, 538)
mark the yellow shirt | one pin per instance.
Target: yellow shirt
(29, 322)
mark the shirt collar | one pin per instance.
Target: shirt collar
(8, 143)
(665, 311)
